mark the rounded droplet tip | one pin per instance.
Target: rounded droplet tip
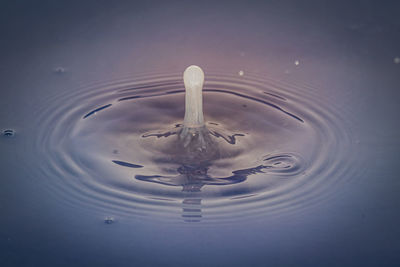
(193, 76)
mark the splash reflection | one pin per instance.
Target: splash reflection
(193, 178)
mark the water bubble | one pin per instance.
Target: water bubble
(241, 73)
(297, 63)
(59, 70)
(396, 60)
(109, 220)
(8, 133)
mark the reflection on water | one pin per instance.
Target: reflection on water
(191, 209)
(193, 178)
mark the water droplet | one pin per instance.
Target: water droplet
(59, 70)
(241, 73)
(297, 63)
(193, 78)
(109, 220)
(8, 133)
(396, 60)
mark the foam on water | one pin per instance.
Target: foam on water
(117, 148)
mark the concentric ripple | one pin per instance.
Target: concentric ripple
(113, 147)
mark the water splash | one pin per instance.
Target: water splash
(194, 143)
(120, 148)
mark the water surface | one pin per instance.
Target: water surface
(302, 100)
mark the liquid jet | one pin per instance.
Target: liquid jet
(193, 78)
(194, 135)
(197, 142)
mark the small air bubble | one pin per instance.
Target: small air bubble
(59, 70)
(109, 220)
(297, 63)
(241, 73)
(396, 60)
(8, 133)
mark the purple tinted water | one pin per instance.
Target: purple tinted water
(259, 152)
(301, 102)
